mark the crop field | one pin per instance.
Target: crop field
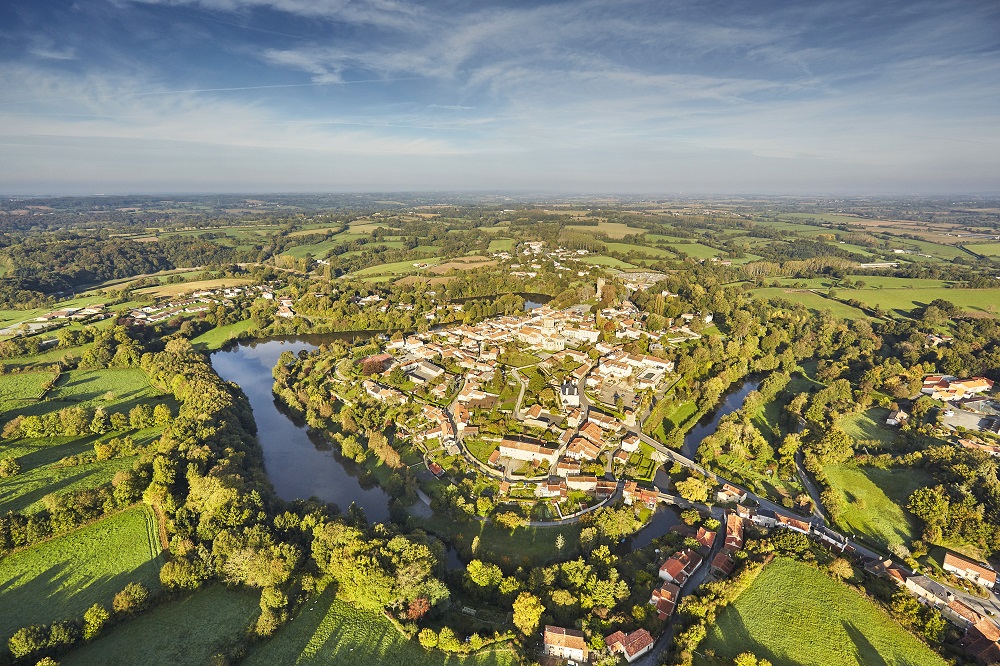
(874, 500)
(978, 301)
(170, 290)
(611, 229)
(198, 627)
(21, 389)
(794, 615)
(331, 631)
(985, 249)
(398, 268)
(813, 302)
(62, 577)
(220, 335)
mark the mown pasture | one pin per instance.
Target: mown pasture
(982, 302)
(330, 631)
(794, 615)
(188, 632)
(874, 501)
(60, 578)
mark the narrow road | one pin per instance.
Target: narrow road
(813, 491)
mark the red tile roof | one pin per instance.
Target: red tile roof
(629, 644)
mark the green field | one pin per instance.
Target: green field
(22, 389)
(644, 250)
(985, 249)
(869, 424)
(330, 631)
(315, 250)
(983, 301)
(874, 500)
(42, 474)
(397, 268)
(794, 615)
(598, 260)
(611, 229)
(60, 578)
(694, 250)
(531, 545)
(187, 632)
(813, 301)
(501, 245)
(220, 335)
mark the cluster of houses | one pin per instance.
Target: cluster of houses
(73, 314)
(199, 301)
(56, 318)
(953, 389)
(982, 636)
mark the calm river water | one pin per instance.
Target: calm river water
(295, 466)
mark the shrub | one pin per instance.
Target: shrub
(133, 598)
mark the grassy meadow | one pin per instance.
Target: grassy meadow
(794, 615)
(186, 632)
(902, 301)
(178, 288)
(330, 631)
(220, 335)
(812, 301)
(874, 501)
(60, 578)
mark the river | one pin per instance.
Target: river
(296, 467)
(731, 401)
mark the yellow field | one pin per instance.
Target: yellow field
(167, 290)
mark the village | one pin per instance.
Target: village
(584, 448)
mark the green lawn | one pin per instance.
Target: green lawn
(874, 499)
(794, 615)
(330, 631)
(90, 386)
(480, 448)
(60, 578)
(217, 337)
(189, 631)
(869, 424)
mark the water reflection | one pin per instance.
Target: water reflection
(298, 469)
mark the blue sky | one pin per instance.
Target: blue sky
(579, 96)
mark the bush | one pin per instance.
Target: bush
(428, 638)
(94, 620)
(132, 599)
(9, 467)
